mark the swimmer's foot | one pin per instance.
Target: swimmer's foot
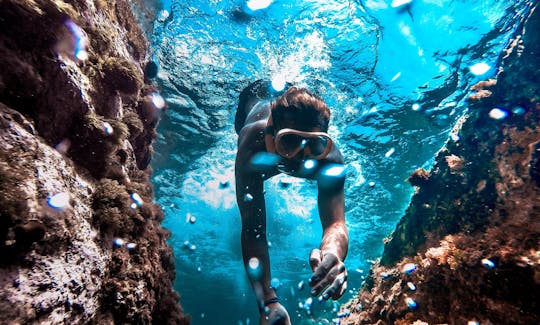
(275, 314)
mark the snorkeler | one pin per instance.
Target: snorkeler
(289, 136)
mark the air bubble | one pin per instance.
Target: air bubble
(158, 100)
(59, 201)
(108, 128)
(248, 197)
(119, 242)
(310, 163)
(410, 303)
(399, 3)
(479, 68)
(389, 152)
(498, 113)
(258, 4)
(131, 246)
(254, 268)
(409, 268)
(278, 83)
(487, 263)
(137, 199)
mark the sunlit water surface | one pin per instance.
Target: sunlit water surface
(395, 74)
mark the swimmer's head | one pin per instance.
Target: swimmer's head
(300, 109)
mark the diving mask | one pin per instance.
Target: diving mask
(289, 142)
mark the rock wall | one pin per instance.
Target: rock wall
(80, 239)
(467, 250)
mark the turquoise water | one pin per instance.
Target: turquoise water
(394, 76)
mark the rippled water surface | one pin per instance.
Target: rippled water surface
(395, 74)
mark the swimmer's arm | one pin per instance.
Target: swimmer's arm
(251, 202)
(331, 211)
(329, 277)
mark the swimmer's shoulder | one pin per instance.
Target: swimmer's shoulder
(251, 137)
(260, 111)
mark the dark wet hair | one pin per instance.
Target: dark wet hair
(303, 108)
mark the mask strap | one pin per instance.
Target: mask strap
(269, 136)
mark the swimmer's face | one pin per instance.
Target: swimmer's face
(295, 144)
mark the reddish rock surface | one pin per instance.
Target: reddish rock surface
(77, 119)
(468, 247)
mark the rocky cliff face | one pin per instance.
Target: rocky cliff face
(80, 239)
(467, 250)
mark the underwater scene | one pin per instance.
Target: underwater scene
(394, 74)
(270, 162)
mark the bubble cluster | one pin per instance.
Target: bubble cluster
(278, 83)
(119, 242)
(137, 200)
(163, 15)
(190, 218)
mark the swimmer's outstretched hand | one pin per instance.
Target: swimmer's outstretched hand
(275, 314)
(329, 275)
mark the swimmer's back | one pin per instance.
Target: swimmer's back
(255, 95)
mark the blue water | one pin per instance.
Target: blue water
(395, 78)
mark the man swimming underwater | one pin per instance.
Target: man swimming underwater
(289, 136)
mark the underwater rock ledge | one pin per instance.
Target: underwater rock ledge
(467, 249)
(81, 240)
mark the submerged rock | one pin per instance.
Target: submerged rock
(473, 225)
(75, 142)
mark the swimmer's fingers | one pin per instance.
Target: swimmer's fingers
(315, 259)
(324, 266)
(328, 280)
(337, 289)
